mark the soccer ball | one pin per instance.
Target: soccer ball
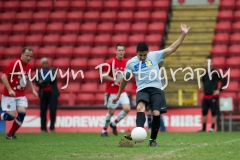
(139, 134)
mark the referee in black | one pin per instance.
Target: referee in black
(211, 95)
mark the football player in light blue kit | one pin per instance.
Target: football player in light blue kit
(145, 68)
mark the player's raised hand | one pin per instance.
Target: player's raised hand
(184, 28)
(115, 99)
(12, 93)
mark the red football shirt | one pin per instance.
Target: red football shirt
(17, 84)
(112, 87)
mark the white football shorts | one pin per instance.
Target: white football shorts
(122, 100)
(11, 103)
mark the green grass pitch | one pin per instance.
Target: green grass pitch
(43, 146)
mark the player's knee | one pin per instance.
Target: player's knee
(156, 113)
(21, 116)
(141, 106)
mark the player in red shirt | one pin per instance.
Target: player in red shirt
(112, 86)
(15, 78)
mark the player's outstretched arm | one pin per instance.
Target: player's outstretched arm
(178, 42)
(122, 86)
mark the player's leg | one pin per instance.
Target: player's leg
(149, 118)
(158, 104)
(8, 109)
(204, 115)
(162, 125)
(125, 102)
(53, 112)
(43, 112)
(214, 110)
(21, 103)
(111, 109)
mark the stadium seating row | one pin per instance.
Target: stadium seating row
(224, 50)
(226, 39)
(81, 40)
(80, 16)
(84, 5)
(227, 27)
(222, 62)
(228, 15)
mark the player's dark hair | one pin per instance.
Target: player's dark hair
(119, 44)
(142, 46)
(26, 48)
(209, 57)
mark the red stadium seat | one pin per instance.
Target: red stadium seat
(102, 39)
(154, 47)
(233, 62)
(64, 52)
(139, 27)
(61, 5)
(1, 53)
(81, 52)
(24, 17)
(135, 39)
(219, 50)
(95, 6)
(153, 39)
(102, 87)
(32, 100)
(127, 5)
(61, 63)
(4, 40)
(74, 16)
(12, 52)
(225, 15)
(85, 40)
(68, 39)
(35, 53)
(7, 17)
(89, 27)
(161, 5)
(111, 52)
(84, 99)
(221, 38)
(71, 28)
(236, 27)
(10, 6)
(47, 51)
(158, 16)
(73, 87)
(218, 62)
(125, 16)
(233, 50)
(34, 40)
(130, 51)
(237, 5)
(92, 76)
(99, 99)
(28, 5)
(119, 38)
(64, 99)
(236, 15)
(58, 16)
(89, 87)
(223, 27)
(78, 5)
(78, 63)
(235, 74)
(141, 16)
(41, 16)
(91, 16)
(108, 16)
(144, 5)
(5, 62)
(51, 39)
(227, 5)
(111, 5)
(37, 28)
(44, 5)
(92, 63)
(38, 62)
(54, 28)
(106, 27)
(5, 28)
(156, 28)
(122, 28)
(16, 40)
(20, 28)
(98, 51)
(234, 38)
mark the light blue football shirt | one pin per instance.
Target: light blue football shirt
(146, 73)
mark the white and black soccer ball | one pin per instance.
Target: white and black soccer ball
(139, 134)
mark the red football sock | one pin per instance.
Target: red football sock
(14, 128)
